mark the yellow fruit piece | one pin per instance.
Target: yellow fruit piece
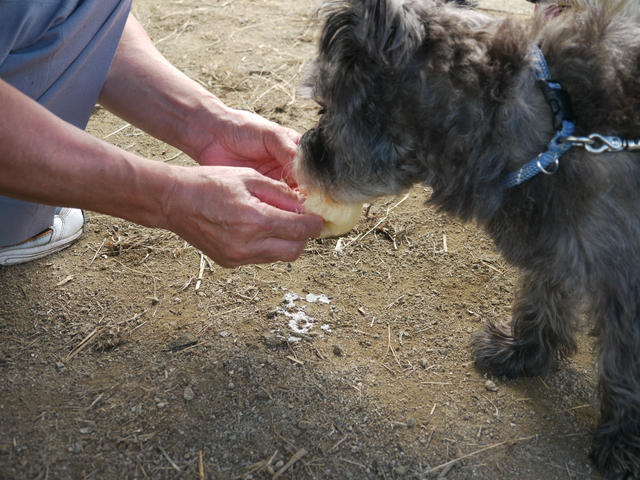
(338, 218)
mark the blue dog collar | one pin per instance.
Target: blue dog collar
(563, 122)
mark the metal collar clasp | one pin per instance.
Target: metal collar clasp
(596, 143)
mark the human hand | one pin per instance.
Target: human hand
(243, 139)
(237, 216)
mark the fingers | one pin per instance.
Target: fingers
(295, 226)
(290, 226)
(268, 250)
(282, 145)
(271, 234)
(288, 169)
(237, 216)
(276, 193)
(264, 243)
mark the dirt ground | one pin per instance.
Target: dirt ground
(131, 356)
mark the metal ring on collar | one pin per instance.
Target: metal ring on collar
(548, 172)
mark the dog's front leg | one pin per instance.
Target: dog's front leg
(541, 332)
(617, 439)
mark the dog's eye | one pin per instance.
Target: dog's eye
(322, 105)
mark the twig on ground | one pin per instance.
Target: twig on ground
(200, 466)
(155, 296)
(392, 350)
(360, 237)
(95, 402)
(352, 462)
(187, 349)
(299, 454)
(429, 439)
(493, 268)
(295, 360)
(390, 371)
(338, 444)
(98, 251)
(82, 344)
(171, 462)
(117, 131)
(271, 398)
(201, 272)
(494, 405)
(576, 408)
(450, 462)
(394, 302)
(64, 281)
(173, 158)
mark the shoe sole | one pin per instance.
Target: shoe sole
(14, 257)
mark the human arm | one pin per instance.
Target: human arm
(146, 90)
(226, 213)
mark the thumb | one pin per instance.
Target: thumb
(276, 194)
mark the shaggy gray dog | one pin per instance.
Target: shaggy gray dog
(420, 91)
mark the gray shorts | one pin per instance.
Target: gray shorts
(57, 52)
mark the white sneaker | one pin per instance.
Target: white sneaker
(68, 225)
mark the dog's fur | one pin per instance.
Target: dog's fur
(420, 91)
(630, 8)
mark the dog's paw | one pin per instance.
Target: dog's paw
(616, 457)
(497, 349)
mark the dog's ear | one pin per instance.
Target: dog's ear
(386, 31)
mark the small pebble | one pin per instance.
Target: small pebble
(400, 470)
(189, 394)
(183, 341)
(279, 464)
(262, 395)
(272, 340)
(491, 386)
(411, 422)
(224, 334)
(337, 350)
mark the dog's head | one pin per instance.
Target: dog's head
(363, 48)
(401, 82)
(420, 91)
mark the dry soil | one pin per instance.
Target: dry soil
(131, 356)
